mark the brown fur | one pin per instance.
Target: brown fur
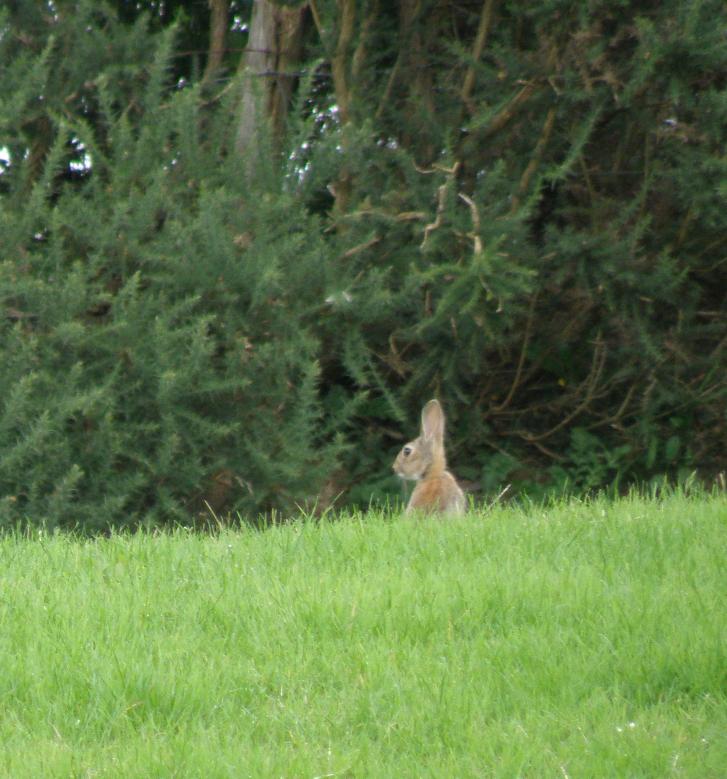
(430, 494)
(423, 460)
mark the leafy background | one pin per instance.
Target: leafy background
(518, 208)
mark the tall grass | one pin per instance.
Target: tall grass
(581, 640)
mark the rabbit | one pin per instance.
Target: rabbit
(422, 460)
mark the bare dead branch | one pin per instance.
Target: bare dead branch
(503, 117)
(477, 49)
(535, 159)
(614, 419)
(438, 169)
(521, 361)
(437, 223)
(404, 216)
(588, 385)
(354, 250)
(410, 216)
(499, 497)
(475, 234)
(544, 449)
(394, 359)
(441, 204)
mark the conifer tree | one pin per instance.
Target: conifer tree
(158, 353)
(517, 208)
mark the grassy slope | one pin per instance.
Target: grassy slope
(581, 641)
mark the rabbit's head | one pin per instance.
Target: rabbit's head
(424, 456)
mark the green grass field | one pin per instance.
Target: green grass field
(581, 640)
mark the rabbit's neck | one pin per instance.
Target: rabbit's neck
(437, 466)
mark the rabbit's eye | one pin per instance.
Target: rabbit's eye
(406, 450)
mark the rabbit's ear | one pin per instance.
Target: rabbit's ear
(433, 422)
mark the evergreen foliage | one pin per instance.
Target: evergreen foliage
(527, 223)
(565, 289)
(155, 353)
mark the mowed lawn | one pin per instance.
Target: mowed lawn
(580, 640)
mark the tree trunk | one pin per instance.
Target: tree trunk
(274, 47)
(218, 32)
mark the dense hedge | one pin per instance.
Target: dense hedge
(543, 250)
